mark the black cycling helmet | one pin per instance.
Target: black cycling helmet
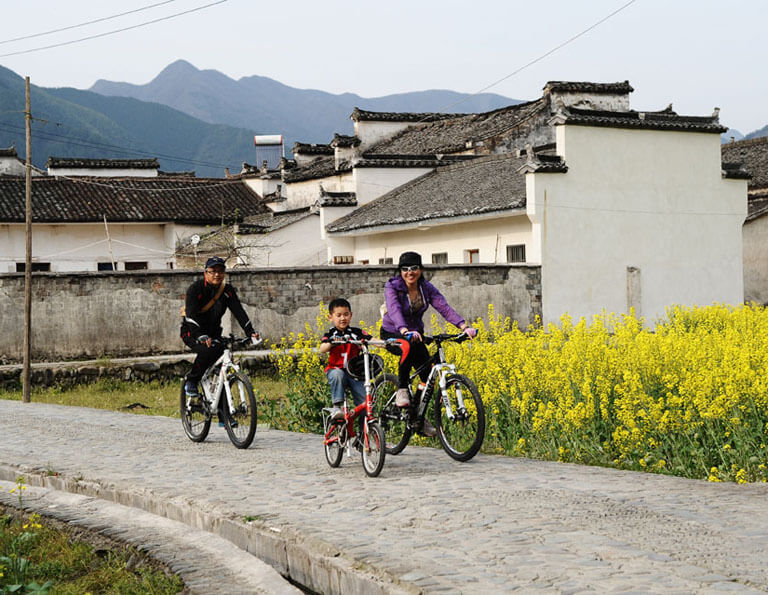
(215, 261)
(355, 366)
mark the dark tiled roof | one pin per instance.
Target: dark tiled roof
(270, 221)
(410, 160)
(9, 152)
(586, 87)
(319, 168)
(183, 200)
(735, 171)
(343, 141)
(177, 174)
(753, 155)
(757, 204)
(103, 163)
(482, 185)
(545, 164)
(338, 199)
(451, 135)
(312, 149)
(359, 115)
(664, 120)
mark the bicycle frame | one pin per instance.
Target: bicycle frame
(227, 366)
(365, 407)
(439, 367)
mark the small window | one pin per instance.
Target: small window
(472, 256)
(440, 258)
(37, 267)
(516, 253)
(105, 266)
(343, 259)
(386, 260)
(363, 261)
(136, 266)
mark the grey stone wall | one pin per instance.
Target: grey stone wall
(119, 314)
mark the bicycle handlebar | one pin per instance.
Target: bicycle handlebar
(445, 337)
(233, 340)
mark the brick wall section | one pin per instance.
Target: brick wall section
(120, 314)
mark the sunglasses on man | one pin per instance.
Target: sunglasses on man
(410, 269)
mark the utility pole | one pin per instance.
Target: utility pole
(26, 395)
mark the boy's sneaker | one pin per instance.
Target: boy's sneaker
(402, 397)
(428, 429)
(190, 388)
(336, 413)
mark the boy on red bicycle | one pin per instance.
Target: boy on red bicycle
(340, 315)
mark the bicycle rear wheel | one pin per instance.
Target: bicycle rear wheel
(374, 451)
(241, 421)
(461, 430)
(194, 417)
(393, 420)
(335, 436)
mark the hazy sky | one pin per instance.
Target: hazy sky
(696, 54)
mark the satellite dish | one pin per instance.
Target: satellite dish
(194, 240)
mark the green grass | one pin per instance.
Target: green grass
(35, 550)
(158, 398)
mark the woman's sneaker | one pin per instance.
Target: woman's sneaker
(402, 397)
(428, 429)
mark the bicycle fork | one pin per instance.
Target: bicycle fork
(460, 408)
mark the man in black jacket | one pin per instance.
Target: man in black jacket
(206, 302)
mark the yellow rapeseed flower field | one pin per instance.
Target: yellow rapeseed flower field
(688, 396)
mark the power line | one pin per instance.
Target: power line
(540, 58)
(68, 140)
(56, 45)
(114, 16)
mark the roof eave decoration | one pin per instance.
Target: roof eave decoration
(542, 164)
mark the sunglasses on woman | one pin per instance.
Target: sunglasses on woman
(410, 269)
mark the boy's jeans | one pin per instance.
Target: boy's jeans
(339, 380)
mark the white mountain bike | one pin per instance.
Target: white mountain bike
(226, 391)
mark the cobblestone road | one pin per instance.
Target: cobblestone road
(427, 523)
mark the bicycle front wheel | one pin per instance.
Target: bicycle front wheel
(194, 418)
(374, 450)
(335, 437)
(460, 418)
(393, 420)
(241, 421)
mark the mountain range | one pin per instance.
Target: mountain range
(195, 119)
(202, 120)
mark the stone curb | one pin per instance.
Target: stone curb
(204, 562)
(308, 562)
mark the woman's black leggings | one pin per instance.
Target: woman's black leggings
(417, 357)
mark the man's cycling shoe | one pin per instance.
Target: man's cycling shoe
(336, 413)
(428, 429)
(358, 443)
(190, 388)
(232, 422)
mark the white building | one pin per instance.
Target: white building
(621, 209)
(89, 224)
(752, 155)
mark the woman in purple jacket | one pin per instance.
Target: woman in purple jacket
(408, 295)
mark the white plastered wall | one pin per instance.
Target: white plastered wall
(652, 200)
(490, 236)
(755, 234)
(81, 246)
